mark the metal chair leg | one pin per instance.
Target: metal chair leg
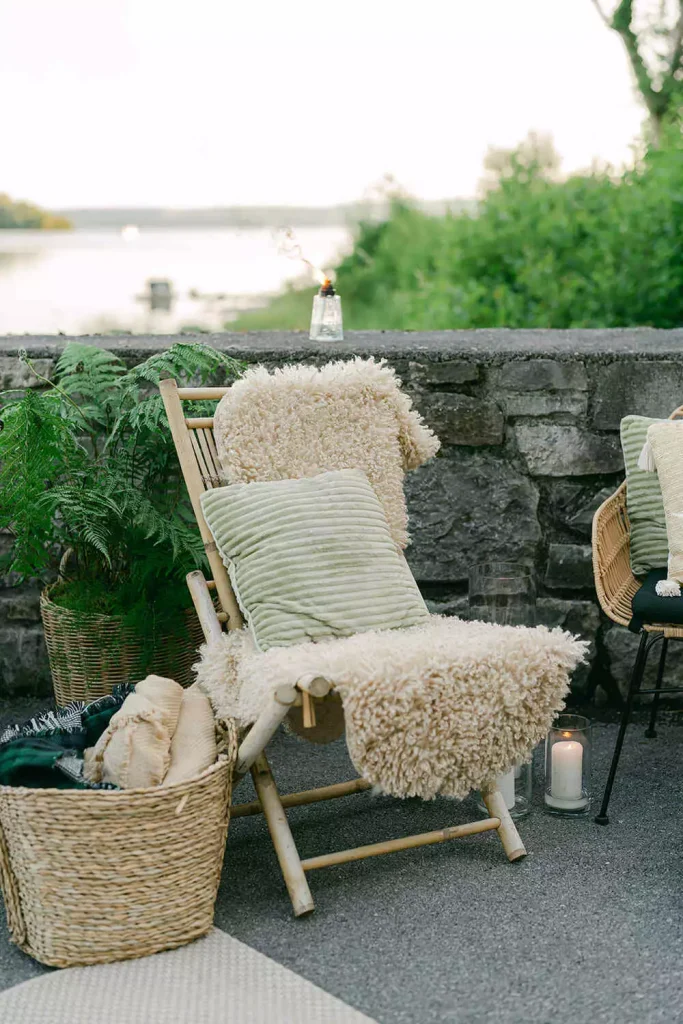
(651, 732)
(634, 686)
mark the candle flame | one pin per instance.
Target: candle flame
(567, 735)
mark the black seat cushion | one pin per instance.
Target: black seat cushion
(648, 608)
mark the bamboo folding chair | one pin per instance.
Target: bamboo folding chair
(616, 587)
(217, 608)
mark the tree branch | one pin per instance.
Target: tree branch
(656, 102)
(677, 51)
(598, 8)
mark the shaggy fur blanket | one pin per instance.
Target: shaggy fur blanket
(440, 708)
(302, 420)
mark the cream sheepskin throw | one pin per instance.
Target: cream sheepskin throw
(440, 708)
(300, 421)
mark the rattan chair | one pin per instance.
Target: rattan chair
(616, 586)
(216, 609)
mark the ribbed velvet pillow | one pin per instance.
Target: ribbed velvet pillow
(649, 544)
(312, 558)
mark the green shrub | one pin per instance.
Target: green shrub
(591, 251)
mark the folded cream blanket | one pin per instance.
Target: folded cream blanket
(440, 708)
(193, 747)
(160, 734)
(134, 751)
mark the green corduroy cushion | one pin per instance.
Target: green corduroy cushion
(312, 558)
(649, 545)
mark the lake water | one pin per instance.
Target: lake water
(82, 282)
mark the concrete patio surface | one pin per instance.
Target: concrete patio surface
(589, 928)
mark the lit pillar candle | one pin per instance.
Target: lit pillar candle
(566, 778)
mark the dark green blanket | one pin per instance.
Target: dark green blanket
(47, 750)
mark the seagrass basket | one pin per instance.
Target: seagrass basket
(94, 876)
(90, 653)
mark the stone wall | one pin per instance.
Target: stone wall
(529, 424)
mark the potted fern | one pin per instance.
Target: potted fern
(92, 496)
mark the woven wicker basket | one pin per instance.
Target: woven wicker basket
(90, 653)
(94, 876)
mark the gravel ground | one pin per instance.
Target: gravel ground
(587, 928)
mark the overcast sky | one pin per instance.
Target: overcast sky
(221, 102)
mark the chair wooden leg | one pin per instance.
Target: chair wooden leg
(651, 731)
(283, 841)
(507, 830)
(636, 679)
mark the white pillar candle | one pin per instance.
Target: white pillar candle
(566, 776)
(506, 785)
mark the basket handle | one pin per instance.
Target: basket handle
(10, 889)
(226, 739)
(64, 561)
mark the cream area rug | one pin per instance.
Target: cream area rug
(216, 980)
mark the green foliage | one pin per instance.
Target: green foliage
(290, 311)
(88, 470)
(590, 251)
(25, 215)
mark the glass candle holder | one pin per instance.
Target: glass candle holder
(567, 766)
(326, 318)
(502, 592)
(515, 787)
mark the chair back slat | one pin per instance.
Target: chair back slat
(214, 475)
(211, 442)
(198, 457)
(210, 475)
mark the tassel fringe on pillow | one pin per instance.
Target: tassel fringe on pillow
(668, 588)
(646, 459)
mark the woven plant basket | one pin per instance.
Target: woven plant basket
(90, 877)
(90, 653)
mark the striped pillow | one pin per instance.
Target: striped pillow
(649, 545)
(312, 558)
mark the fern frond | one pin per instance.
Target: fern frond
(38, 448)
(90, 515)
(160, 526)
(91, 375)
(87, 369)
(146, 415)
(183, 361)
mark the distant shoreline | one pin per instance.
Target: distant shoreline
(248, 216)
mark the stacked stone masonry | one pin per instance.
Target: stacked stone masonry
(529, 425)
